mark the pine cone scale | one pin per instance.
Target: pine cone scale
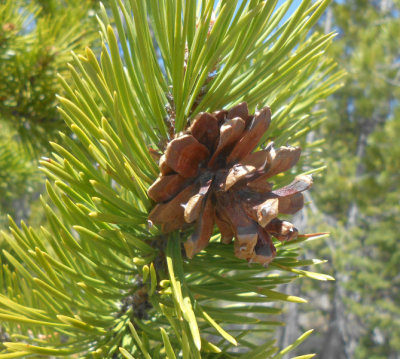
(193, 207)
(240, 111)
(165, 187)
(260, 160)
(264, 251)
(276, 162)
(171, 214)
(205, 129)
(267, 211)
(236, 174)
(230, 132)
(282, 230)
(184, 154)
(203, 230)
(225, 229)
(251, 136)
(291, 204)
(300, 184)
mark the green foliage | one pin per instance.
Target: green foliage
(35, 45)
(97, 281)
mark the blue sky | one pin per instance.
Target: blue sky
(294, 6)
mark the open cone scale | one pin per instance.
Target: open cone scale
(210, 175)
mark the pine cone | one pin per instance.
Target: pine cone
(210, 175)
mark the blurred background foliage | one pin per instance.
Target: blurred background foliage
(36, 40)
(19, 177)
(357, 199)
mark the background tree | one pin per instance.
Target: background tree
(358, 195)
(35, 45)
(36, 38)
(96, 281)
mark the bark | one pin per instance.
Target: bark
(291, 331)
(332, 343)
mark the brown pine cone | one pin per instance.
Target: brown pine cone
(209, 174)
